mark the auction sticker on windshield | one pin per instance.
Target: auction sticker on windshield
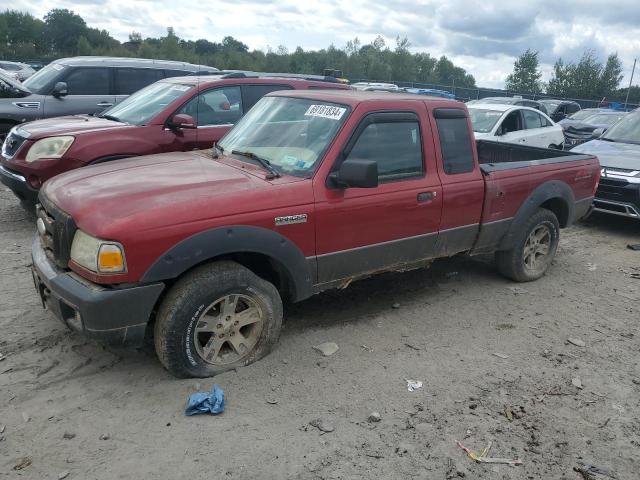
(325, 111)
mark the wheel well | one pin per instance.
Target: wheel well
(559, 208)
(262, 265)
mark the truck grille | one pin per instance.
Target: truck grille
(11, 145)
(56, 230)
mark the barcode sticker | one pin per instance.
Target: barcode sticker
(325, 111)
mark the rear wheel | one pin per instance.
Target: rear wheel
(218, 317)
(534, 249)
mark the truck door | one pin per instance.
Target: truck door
(362, 230)
(462, 182)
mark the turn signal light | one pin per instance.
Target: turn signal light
(110, 259)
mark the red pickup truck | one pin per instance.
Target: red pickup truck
(309, 191)
(174, 114)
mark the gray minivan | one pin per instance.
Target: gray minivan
(85, 85)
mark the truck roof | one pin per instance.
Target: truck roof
(355, 97)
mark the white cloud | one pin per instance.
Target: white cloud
(482, 37)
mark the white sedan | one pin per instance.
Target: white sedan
(515, 124)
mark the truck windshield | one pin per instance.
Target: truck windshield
(626, 130)
(483, 120)
(291, 133)
(145, 104)
(40, 81)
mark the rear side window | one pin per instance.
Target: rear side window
(455, 143)
(176, 73)
(395, 147)
(88, 81)
(129, 80)
(252, 93)
(533, 120)
(219, 106)
(572, 108)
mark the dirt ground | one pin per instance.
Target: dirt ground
(124, 416)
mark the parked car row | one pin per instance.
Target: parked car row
(174, 114)
(85, 85)
(311, 190)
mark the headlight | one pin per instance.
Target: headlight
(100, 256)
(53, 147)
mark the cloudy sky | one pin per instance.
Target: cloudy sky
(483, 37)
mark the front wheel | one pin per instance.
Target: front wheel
(534, 250)
(218, 317)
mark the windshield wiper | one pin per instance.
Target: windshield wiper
(109, 117)
(262, 161)
(217, 150)
(606, 139)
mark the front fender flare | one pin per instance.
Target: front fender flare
(235, 239)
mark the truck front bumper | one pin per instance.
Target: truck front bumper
(109, 315)
(18, 185)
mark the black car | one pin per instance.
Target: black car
(511, 101)
(580, 131)
(559, 109)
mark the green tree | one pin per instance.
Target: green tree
(588, 78)
(611, 76)
(526, 74)
(63, 29)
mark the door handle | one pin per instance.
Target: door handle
(425, 197)
(104, 104)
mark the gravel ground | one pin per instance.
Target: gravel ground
(123, 416)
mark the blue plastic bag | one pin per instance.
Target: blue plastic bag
(202, 402)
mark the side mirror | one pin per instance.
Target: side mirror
(356, 174)
(60, 90)
(597, 133)
(182, 121)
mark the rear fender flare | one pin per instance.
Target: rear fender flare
(550, 190)
(235, 239)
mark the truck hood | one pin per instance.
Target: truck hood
(69, 125)
(612, 154)
(183, 185)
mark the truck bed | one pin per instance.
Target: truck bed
(494, 156)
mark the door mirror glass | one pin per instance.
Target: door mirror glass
(182, 121)
(60, 89)
(356, 173)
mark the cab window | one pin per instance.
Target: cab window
(130, 80)
(395, 146)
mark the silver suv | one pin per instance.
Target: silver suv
(85, 85)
